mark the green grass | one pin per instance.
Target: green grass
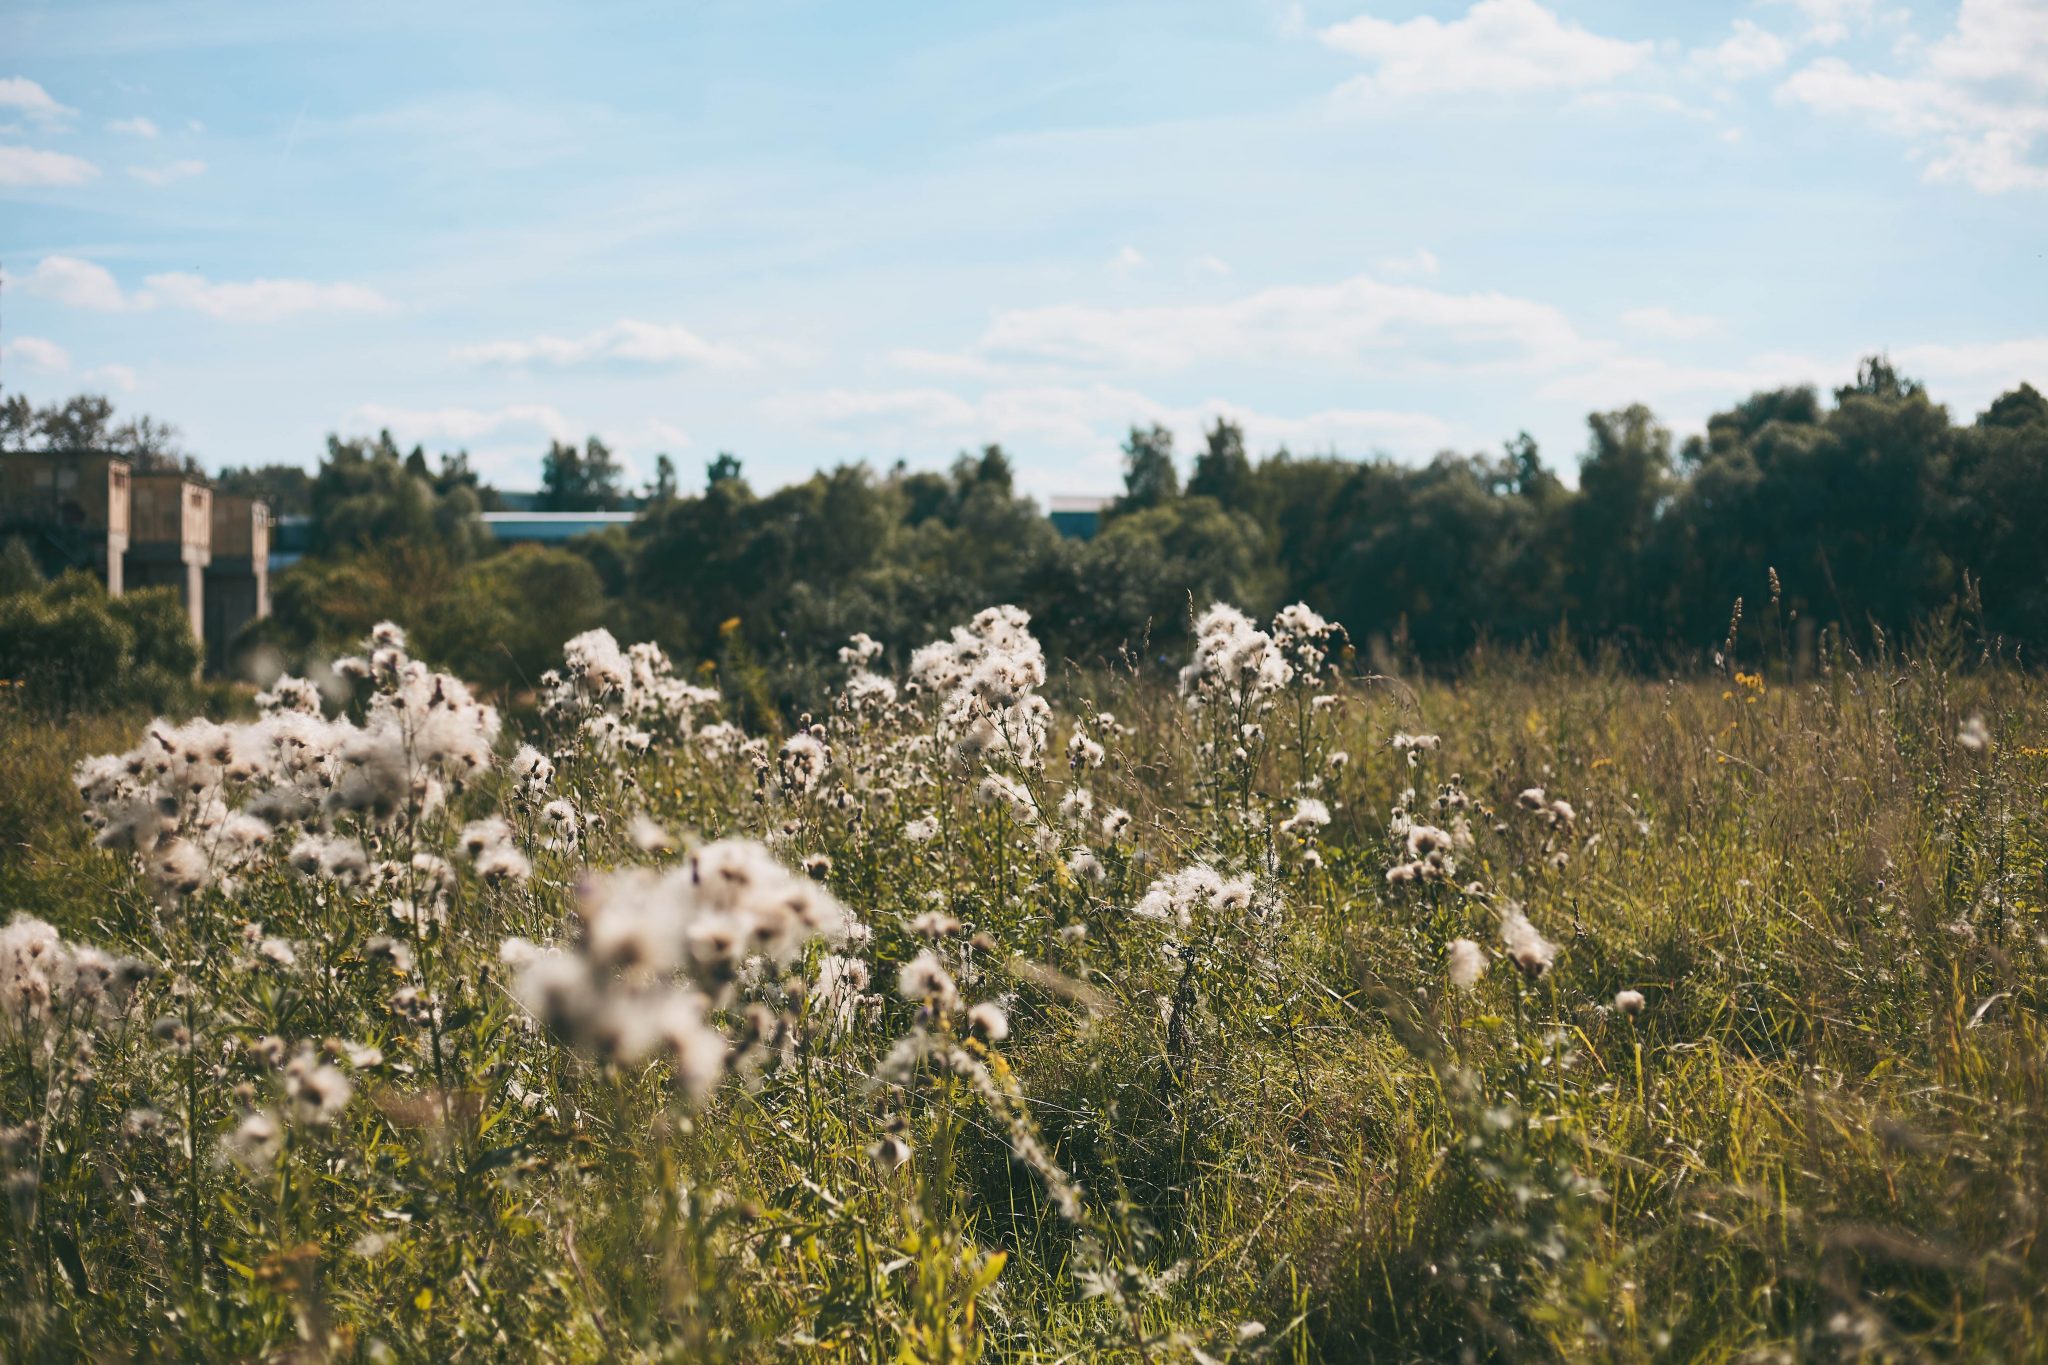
(1823, 1138)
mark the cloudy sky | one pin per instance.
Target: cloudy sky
(809, 233)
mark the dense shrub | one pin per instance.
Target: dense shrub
(67, 645)
(499, 620)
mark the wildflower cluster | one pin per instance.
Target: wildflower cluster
(963, 1011)
(986, 677)
(201, 802)
(659, 948)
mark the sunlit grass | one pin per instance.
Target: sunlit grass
(1291, 1135)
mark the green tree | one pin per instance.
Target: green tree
(2000, 504)
(19, 571)
(503, 620)
(1142, 575)
(367, 495)
(86, 422)
(663, 486)
(1150, 477)
(1222, 470)
(724, 469)
(580, 481)
(1618, 571)
(286, 488)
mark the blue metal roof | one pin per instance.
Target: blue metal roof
(551, 528)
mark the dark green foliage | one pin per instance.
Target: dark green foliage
(1876, 514)
(67, 646)
(369, 495)
(500, 620)
(1865, 517)
(586, 480)
(1150, 477)
(1150, 571)
(287, 488)
(1223, 471)
(663, 486)
(166, 655)
(86, 422)
(504, 622)
(19, 571)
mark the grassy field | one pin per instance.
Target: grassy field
(1280, 1013)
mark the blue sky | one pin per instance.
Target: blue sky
(810, 233)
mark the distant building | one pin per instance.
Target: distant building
(71, 511)
(171, 541)
(533, 500)
(1078, 517)
(551, 528)
(92, 511)
(290, 539)
(238, 579)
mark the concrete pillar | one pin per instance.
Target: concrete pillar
(171, 531)
(238, 579)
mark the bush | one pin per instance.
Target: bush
(503, 622)
(498, 621)
(68, 646)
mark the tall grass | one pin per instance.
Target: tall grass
(1253, 1119)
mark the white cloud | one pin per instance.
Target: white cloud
(463, 424)
(1829, 21)
(1394, 325)
(923, 409)
(627, 340)
(666, 434)
(133, 127)
(114, 376)
(1966, 375)
(1054, 422)
(1996, 41)
(19, 92)
(1614, 377)
(1420, 263)
(505, 443)
(1128, 260)
(82, 284)
(1748, 51)
(160, 176)
(1662, 322)
(1498, 47)
(1090, 418)
(38, 354)
(79, 284)
(256, 300)
(2025, 358)
(945, 362)
(1658, 101)
(1972, 107)
(1969, 375)
(47, 357)
(25, 166)
(1214, 265)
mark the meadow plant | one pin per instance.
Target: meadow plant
(1264, 1010)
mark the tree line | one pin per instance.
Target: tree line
(1849, 519)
